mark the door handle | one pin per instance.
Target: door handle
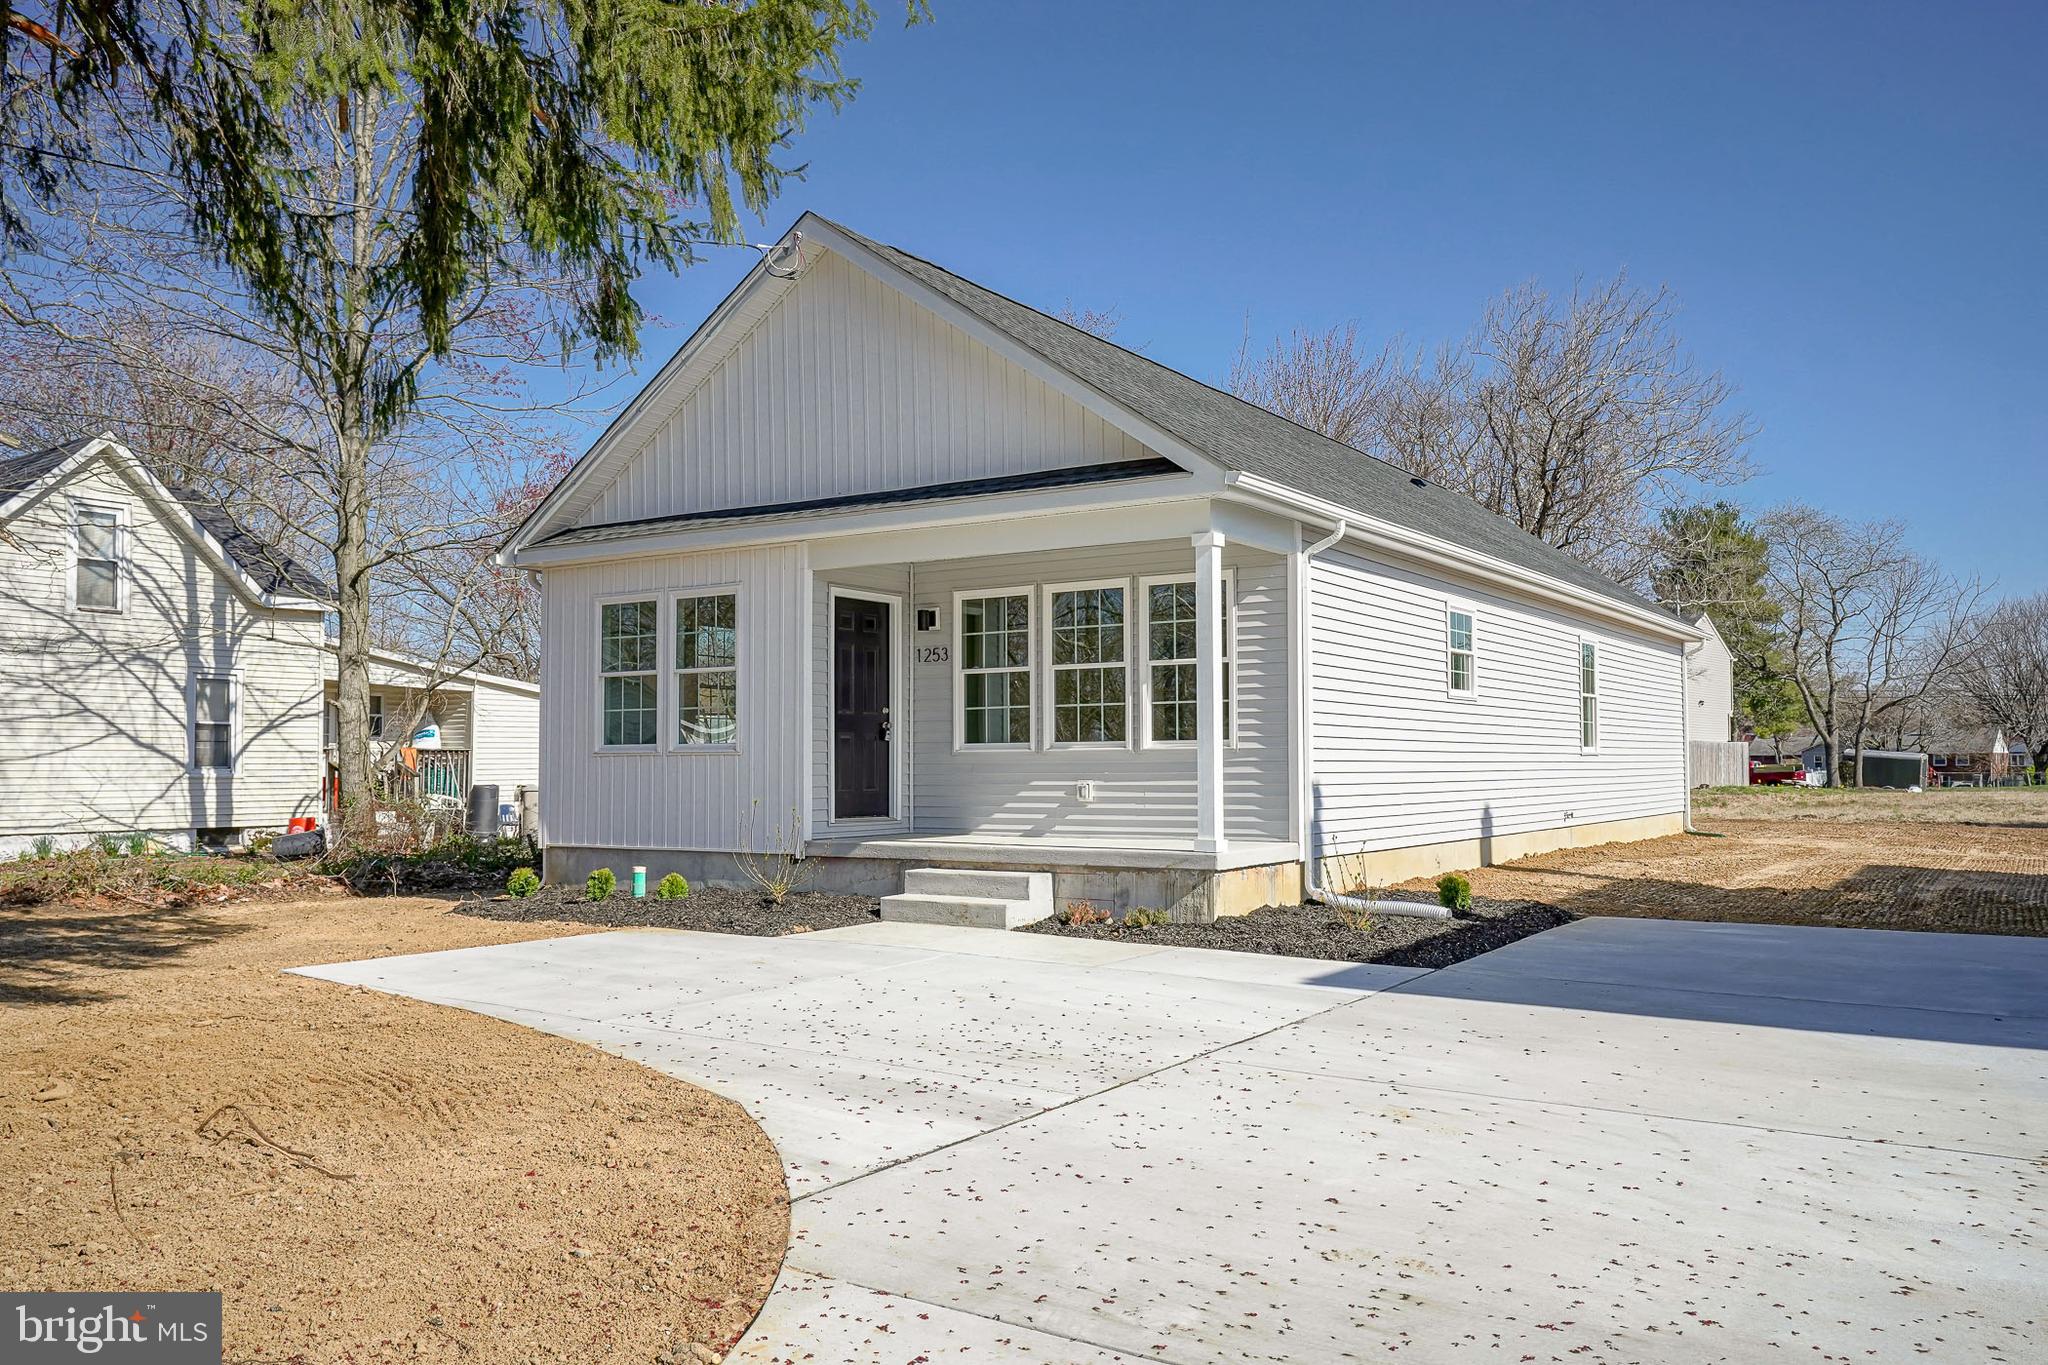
(885, 730)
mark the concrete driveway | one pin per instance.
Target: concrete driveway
(1622, 1140)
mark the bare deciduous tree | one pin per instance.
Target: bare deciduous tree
(2003, 672)
(1576, 419)
(1869, 626)
(1101, 322)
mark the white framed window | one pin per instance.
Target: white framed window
(1461, 650)
(98, 550)
(1087, 652)
(629, 673)
(1589, 696)
(992, 669)
(1171, 675)
(215, 701)
(706, 668)
(376, 716)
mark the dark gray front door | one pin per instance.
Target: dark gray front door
(860, 708)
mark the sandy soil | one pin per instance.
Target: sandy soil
(366, 1178)
(1856, 869)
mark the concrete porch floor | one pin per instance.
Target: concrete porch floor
(1622, 1140)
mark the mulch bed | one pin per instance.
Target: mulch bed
(1317, 931)
(710, 909)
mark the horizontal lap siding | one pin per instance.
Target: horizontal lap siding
(695, 800)
(94, 710)
(1142, 793)
(504, 737)
(846, 387)
(1399, 762)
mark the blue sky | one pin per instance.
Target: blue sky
(1850, 202)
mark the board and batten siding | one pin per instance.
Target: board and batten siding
(95, 708)
(666, 798)
(1140, 792)
(847, 386)
(1400, 762)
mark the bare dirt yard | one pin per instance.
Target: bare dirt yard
(1954, 861)
(366, 1178)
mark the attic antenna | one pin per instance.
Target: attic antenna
(790, 247)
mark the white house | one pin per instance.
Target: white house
(161, 672)
(1710, 685)
(889, 567)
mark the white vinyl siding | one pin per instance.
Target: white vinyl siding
(504, 737)
(1398, 762)
(847, 386)
(97, 728)
(667, 797)
(1140, 792)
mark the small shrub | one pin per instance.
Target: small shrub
(1453, 892)
(1145, 919)
(45, 846)
(523, 882)
(601, 885)
(781, 869)
(1358, 918)
(1080, 914)
(672, 887)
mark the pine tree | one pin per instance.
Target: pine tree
(1712, 560)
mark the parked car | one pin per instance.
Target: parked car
(1765, 773)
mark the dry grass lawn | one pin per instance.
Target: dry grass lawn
(1956, 861)
(365, 1178)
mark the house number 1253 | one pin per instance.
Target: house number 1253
(933, 654)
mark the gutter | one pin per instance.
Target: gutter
(1312, 888)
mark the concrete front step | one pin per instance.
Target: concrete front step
(1035, 887)
(973, 912)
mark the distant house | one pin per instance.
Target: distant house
(1973, 756)
(1709, 685)
(162, 672)
(891, 569)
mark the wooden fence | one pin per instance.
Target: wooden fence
(1719, 763)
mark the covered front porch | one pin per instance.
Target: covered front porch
(1104, 695)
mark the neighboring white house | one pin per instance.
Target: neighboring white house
(1710, 685)
(891, 568)
(162, 672)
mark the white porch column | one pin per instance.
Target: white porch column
(1209, 836)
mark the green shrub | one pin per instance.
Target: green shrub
(1454, 892)
(672, 887)
(523, 882)
(45, 846)
(601, 885)
(137, 844)
(1145, 919)
(109, 844)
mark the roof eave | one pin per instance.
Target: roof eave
(1417, 545)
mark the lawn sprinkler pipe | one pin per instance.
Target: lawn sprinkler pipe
(639, 883)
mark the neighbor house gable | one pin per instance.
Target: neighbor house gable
(825, 376)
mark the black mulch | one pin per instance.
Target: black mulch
(1318, 931)
(711, 909)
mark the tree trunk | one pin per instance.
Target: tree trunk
(352, 671)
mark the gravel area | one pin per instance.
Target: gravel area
(710, 909)
(1317, 931)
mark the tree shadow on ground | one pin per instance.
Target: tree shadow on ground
(54, 955)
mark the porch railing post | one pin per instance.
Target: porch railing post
(1209, 836)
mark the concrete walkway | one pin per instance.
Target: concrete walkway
(1622, 1140)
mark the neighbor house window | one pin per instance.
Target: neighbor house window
(1458, 641)
(629, 648)
(995, 669)
(707, 664)
(1589, 696)
(97, 536)
(1170, 670)
(1086, 628)
(213, 724)
(376, 716)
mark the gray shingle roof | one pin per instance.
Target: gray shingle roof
(890, 497)
(1244, 437)
(273, 570)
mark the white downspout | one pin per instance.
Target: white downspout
(1311, 866)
